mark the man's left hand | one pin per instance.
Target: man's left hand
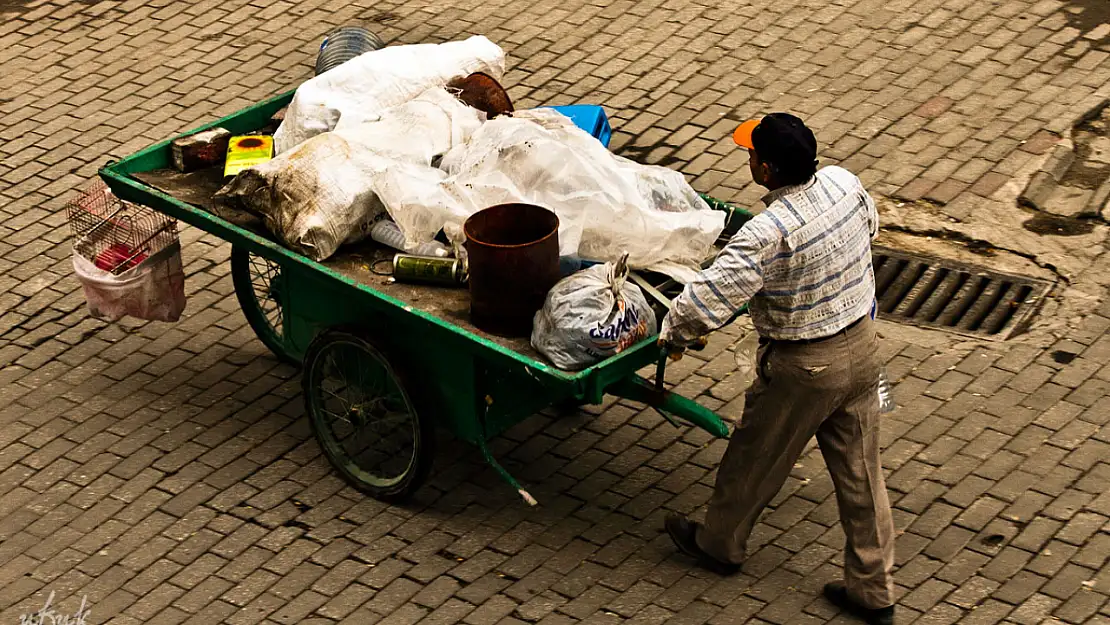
(675, 352)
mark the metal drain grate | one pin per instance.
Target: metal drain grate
(954, 296)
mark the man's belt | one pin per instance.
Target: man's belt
(819, 339)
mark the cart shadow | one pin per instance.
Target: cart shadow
(605, 478)
(602, 475)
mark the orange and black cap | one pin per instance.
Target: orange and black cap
(780, 139)
(743, 134)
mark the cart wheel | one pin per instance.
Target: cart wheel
(257, 283)
(364, 417)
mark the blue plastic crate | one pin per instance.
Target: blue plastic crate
(589, 117)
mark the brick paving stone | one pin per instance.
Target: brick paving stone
(1034, 610)
(1081, 607)
(1081, 527)
(972, 593)
(927, 595)
(962, 567)
(989, 612)
(1019, 588)
(1095, 553)
(1054, 558)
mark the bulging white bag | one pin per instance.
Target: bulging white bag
(591, 315)
(326, 191)
(607, 205)
(154, 289)
(363, 88)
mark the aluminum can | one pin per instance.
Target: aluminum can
(428, 270)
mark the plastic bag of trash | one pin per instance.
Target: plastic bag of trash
(592, 315)
(152, 288)
(366, 86)
(325, 192)
(607, 205)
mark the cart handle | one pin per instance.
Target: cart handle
(666, 403)
(667, 352)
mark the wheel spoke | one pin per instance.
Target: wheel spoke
(264, 273)
(337, 417)
(335, 395)
(344, 400)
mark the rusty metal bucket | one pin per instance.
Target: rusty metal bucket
(513, 253)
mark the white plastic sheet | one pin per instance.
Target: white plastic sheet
(607, 205)
(325, 192)
(363, 88)
(592, 315)
(153, 290)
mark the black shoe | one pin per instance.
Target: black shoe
(838, 595)
(683, 532)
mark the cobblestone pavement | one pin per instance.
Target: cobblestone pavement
(166, 473)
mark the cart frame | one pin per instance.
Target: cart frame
(424, 366)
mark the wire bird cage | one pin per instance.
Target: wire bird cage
(116, 235)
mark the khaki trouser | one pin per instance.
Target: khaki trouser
(829, 389)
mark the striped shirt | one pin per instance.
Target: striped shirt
(803, 266)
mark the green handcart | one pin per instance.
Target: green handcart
(385, 363)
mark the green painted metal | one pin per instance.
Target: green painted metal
(483, 446)
(736, 216)
(245, 121)
(463, 369)
(638, 389)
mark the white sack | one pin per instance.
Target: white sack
(153, 290)
(590, 316)
(324, 192)
(363, 88)
(607, 205)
